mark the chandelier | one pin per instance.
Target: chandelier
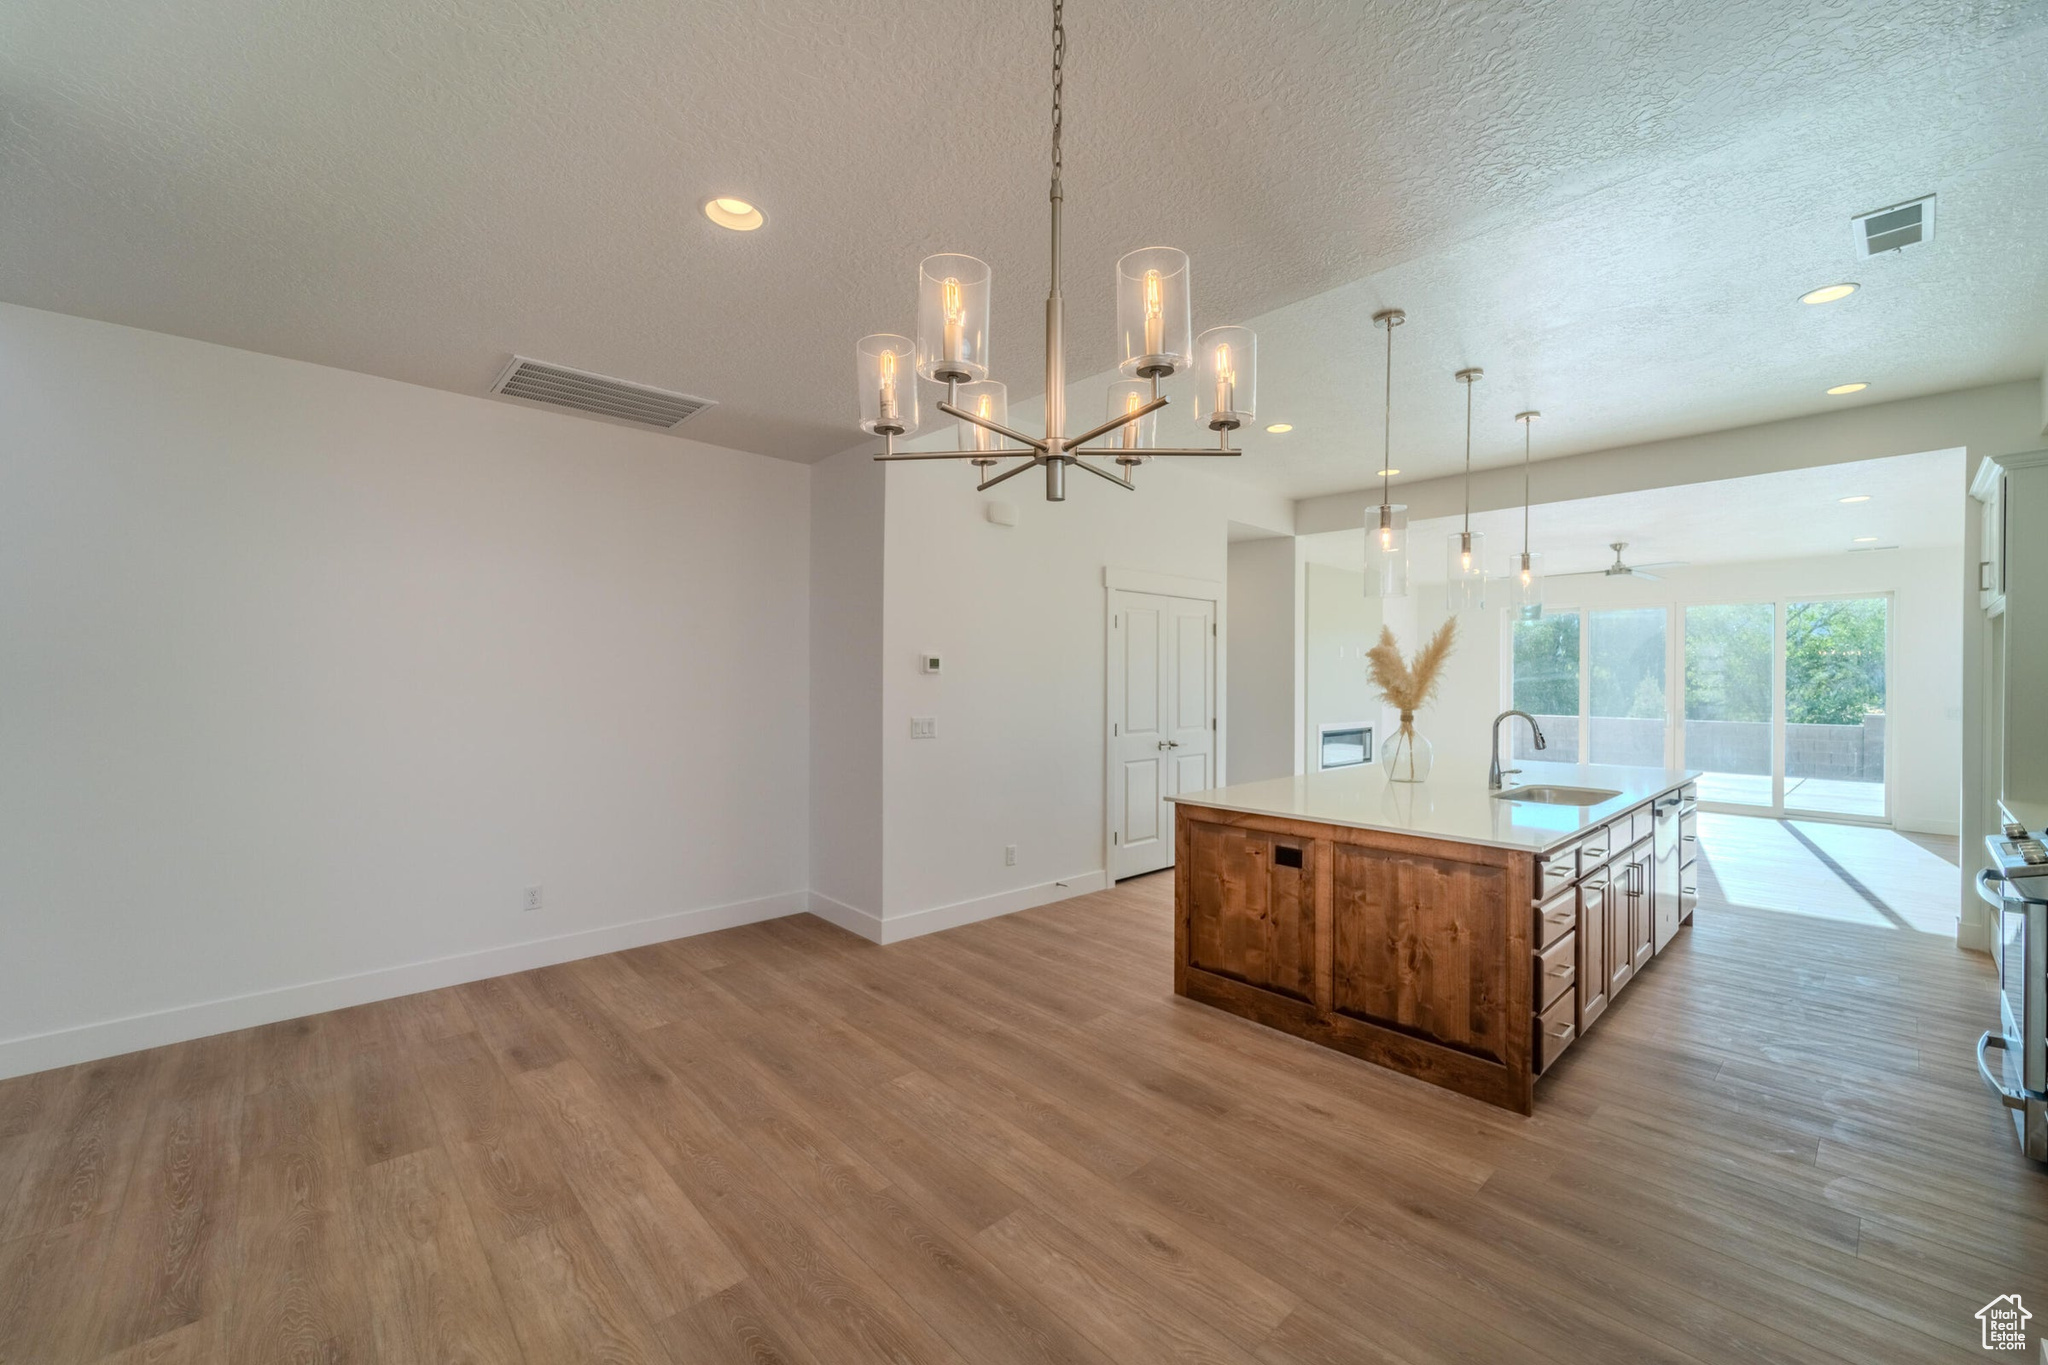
(1153, 326)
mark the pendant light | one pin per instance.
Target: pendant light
(1525, 579)
(1465, 559)
(1386, 526)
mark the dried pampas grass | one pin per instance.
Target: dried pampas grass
(1408, 687)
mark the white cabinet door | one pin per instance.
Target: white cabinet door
(1162, 741)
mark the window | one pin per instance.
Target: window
(1625, 657)
(1546, 684)
(1728, 701)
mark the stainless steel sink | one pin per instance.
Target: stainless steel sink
(1557, 796)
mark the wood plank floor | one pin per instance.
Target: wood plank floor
(1011, 1143)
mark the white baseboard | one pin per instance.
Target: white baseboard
(110, 1038)
(896, 928)
(846, 917)
(1928, 826)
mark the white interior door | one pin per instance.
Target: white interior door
(1162, 740)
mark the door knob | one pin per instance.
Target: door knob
(1169, 744)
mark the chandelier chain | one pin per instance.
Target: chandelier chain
(1059, 73)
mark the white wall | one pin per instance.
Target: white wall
(1342, 624)
(1923, 711)
(306, 674)
(1994, 420)
(1018, 613)
(1264, 700)
(847, 817)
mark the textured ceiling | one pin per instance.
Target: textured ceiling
(1789, 514)
(1608, 205)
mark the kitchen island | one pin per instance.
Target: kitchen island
(1437, 928)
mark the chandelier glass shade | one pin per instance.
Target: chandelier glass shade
(1154, 326)
(1137, 434)
(988, 399)
(1153, 313)
(887, 368)
(952, 319)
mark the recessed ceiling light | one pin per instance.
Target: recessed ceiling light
(1279, 428)
(1828, 293)
(1858, 497)
(1864, 540)
(1386, 474)
(736, 214)
(1838, 390)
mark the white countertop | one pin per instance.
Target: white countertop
(1454, 806)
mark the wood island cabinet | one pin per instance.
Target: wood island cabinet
(1464, 964)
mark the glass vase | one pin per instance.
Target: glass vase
(1407, 755)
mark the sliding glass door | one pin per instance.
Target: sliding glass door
(1625, 656)
(1780, 705)
(1729, 686)
(1546, 685)
(1835, 706)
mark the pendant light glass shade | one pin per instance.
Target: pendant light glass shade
(1525, 585)
(1525, 571)
(1386, 526)
(1465, 549)
(952, 319)
(1140, 433)
(887, 374)
(1153, 313)
(1229, 362)
(988, 398)
(1386, 550)
(1465, 570)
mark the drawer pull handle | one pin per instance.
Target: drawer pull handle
(1562, 969)
(1559, 1031)
(1690, 890)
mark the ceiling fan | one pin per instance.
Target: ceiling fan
(1620, 570)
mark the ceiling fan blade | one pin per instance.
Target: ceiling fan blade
(1579, 573)
(1648, 577)
(1662, 564)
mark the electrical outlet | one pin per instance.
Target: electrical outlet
(532, 901)
(924, 727)
(1009, 855)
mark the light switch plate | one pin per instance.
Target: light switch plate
(924, 727)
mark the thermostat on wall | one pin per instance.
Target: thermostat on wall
(929, 663)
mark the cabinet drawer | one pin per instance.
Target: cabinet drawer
(1557, 872)
(1557, 968)
(1639, 825)
(1688, 836)
(1555, 1031)
(1556, 917)
(1599, 845)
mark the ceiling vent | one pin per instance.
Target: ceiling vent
(1895, 228)
(558, 386)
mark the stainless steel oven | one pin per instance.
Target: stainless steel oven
(2013, 1058)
